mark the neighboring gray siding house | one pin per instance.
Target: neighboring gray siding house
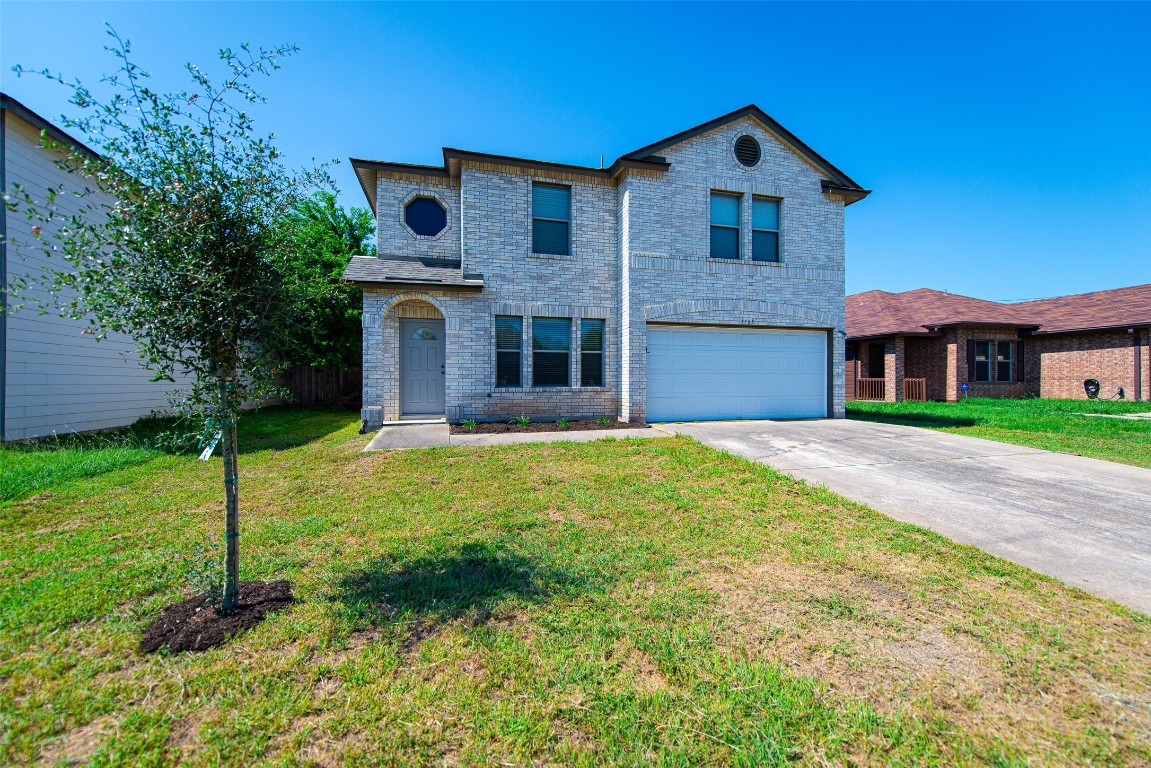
(700, 277)
(54, 378)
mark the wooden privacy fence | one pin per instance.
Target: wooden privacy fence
(915, 389)
(324, 385)
(870, 389)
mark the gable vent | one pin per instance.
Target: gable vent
(747, 150)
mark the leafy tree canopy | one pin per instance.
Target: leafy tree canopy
(326, 237)
(194, 257)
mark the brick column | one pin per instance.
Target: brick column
(371, 412)
(894, 357)
(954, 356)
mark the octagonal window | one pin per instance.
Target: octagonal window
(425, 216)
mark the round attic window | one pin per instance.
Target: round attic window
(425, 216)
(747, 151)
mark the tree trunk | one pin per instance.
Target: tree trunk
(231, 515)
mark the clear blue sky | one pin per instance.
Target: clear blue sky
(1009, 146)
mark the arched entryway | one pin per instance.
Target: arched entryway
(415, 338)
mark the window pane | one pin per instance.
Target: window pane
(725, 209)
(424, 334)
(426, 216)
(550, 369)
(552, 334)
(1003, 370)
(507, 369)
(982, 370)
(551, 202)
(591, 335)
(591, 369)
(724, 243)
(765, 246)
(550, 237)
(509, 332)
(1003, 350)
(764, 213)
(982, 350)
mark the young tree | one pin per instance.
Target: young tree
(193, 260)
(327, 236)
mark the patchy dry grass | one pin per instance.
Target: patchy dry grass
(618, 602)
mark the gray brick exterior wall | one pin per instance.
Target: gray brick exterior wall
(639, 255)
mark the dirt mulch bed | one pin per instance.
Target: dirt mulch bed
(192, 625)
(499, 427)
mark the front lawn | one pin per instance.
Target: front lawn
(1067, 426)
(619, 602)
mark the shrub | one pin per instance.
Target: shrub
(603, 421)
(520, 421)
(469, 424)
(562, 423)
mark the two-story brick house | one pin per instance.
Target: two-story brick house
(700, 277)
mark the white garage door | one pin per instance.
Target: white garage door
(735, 373)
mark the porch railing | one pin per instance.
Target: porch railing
(871, 389)
(915, 389)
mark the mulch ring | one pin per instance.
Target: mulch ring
(193, 625)
(499, 427)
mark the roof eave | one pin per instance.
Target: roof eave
(9, 104)
(470, 285)
(888, 334)
(1086, 329)
(850, 194)
(454, 157)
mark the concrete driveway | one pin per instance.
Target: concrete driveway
(1084, 521)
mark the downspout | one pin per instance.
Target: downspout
(3, 271)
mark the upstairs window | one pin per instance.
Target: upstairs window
(764, 229)
(591, 353)
(1003, 359)
(425, 216)
(551, 219)
(509, 350)
(551, 351)
(724, 226)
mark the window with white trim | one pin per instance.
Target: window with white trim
(509, 350)
(724, 225)
(591, 353)
(551, 351)
(1004, 369)
(982, 358)
(764, 229)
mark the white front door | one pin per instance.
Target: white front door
(713, 372)
(422, 367)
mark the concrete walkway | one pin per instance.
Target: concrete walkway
(1084, 521)
(400, 436)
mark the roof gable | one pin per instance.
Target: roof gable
(838, 177)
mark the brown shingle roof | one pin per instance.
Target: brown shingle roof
(879, 313)
(1101, 309)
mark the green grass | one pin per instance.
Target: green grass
(1054, 425)
(40, 465)
(624, 602)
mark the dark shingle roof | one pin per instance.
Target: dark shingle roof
(410, 270)
(879, 313)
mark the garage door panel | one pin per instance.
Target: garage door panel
(722, 373)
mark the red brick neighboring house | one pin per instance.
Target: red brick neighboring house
(927, 344)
